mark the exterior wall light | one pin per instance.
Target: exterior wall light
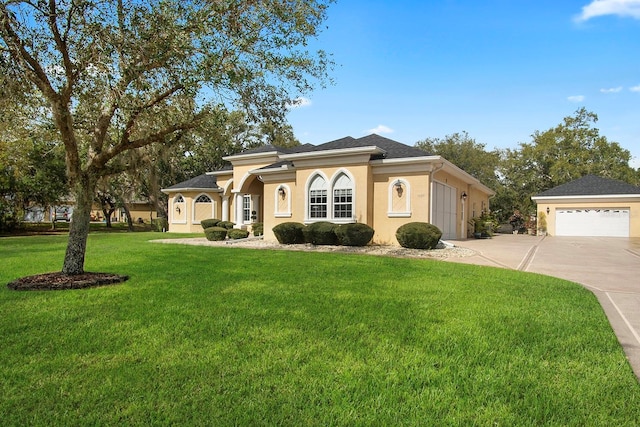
(178, 209)
(548, 210)
(281, 192)
(463, 196)
(398, 187)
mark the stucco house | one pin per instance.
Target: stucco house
(591, 206)
(372, 180)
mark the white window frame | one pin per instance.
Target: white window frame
(246, 208)
(312, 179)
(330, 186)
(193, 208)
(337, 185)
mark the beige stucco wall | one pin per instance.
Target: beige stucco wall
(553, 205)
(377, 202)
(191, 213)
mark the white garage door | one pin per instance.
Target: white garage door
(593, 222)
(443, 209)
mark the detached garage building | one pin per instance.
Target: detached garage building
(592, 206)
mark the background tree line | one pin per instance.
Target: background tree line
(570, 150)
(32, 168)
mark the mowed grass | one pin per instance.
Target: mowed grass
(230, 336)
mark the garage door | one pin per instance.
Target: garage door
(444, 209)
(592, 222)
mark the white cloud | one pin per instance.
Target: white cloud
(635, 89)
(623, 8)
(611, 90)
(299, 102)
(380, 129)
(576, 98)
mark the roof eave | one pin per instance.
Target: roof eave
(175, 190)
(333, 153)
(588, 196)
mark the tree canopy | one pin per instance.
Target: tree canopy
(568, 151)
(469, 155)
(121, 75)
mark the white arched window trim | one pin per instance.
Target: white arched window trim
(307, 195)
(193, 207)
(278, 197)
(334, 183)
(393, 192)
(179, 202)
(330, 186)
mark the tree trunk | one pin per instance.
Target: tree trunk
(128, 215)
(107, 216)
(79, 227)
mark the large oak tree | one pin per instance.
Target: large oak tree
(122, 75)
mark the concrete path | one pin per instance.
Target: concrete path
(609, 267)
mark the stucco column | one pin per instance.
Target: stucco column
(238, 203)
(225, 208)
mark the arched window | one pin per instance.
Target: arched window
(343, 197)
(179, 209)
(203, 208)
(318, 198)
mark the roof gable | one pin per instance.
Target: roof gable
(591, 185)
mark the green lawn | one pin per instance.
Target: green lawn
(230, 336)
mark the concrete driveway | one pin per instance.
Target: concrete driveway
(609, 267)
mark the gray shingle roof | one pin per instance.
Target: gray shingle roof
(200, 182)
(283, 150)
(591, 185)
(394, 149)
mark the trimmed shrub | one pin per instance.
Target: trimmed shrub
(321, 233)
(357, 234)
(418, 235)
(160, 224)
(215, 233)
(289, 233)
(258, 229)
(208, 223)
(237, 233)
(226, 224)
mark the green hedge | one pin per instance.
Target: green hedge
(215, 233)
(258, 229)
(160, 224)
(237, 233)
(289, 233)
(321, 233)
(354, 234)
(226, 224)
(208, 223)
(418, 235)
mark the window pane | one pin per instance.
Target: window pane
(318, 203)
(246, 208)
(342, 203)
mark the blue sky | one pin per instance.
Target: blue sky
(499, 70)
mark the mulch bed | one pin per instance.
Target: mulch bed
(59, 281)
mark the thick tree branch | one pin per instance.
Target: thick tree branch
(128, 129)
